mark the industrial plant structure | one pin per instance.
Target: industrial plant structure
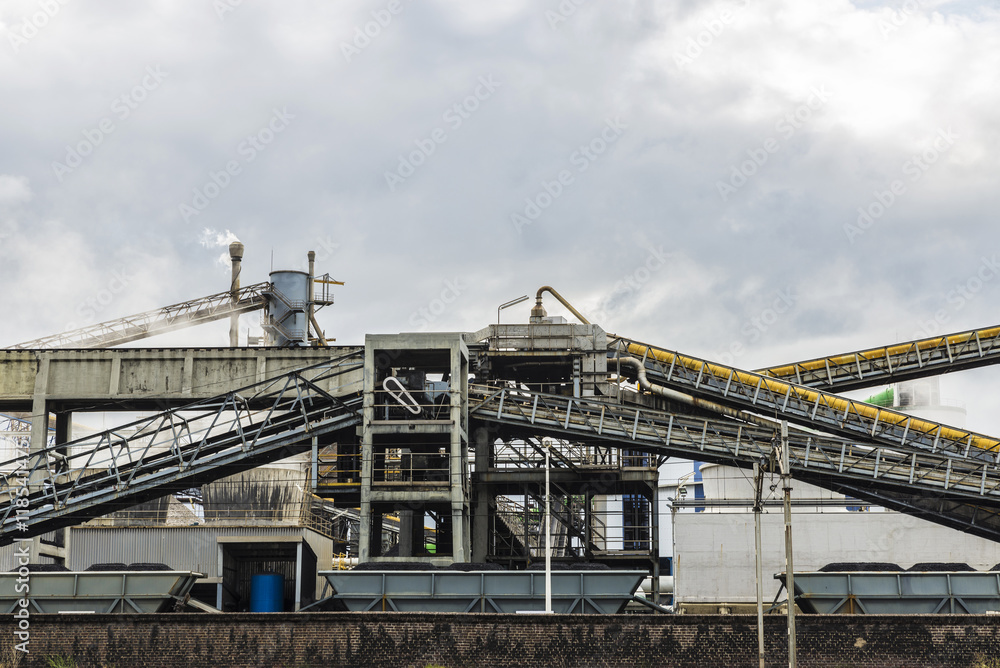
(294, 456)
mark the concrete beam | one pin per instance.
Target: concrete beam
(144, 377)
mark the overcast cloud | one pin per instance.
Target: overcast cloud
(682, 170)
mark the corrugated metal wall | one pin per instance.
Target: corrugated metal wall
(267, 492)
(182, 548)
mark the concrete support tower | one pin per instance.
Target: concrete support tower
(415, 445)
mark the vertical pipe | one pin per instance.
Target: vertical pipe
(655, 544)
(789, 567)
(298, 576)
(314, 473)
(675, 559)
(760, 573)
(312, 295)
(221, 572)
(524, 524)
(548, 539)
(236, 255)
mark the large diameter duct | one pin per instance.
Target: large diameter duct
(681, 397)
(236, 255)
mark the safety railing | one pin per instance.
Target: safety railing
(622, 526)
(518, 453)
(336, 467)
(413, 405)
(400, 465)
(730, 441)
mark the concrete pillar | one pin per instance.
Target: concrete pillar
(374, 542)
(39, 418)
(481, 520)
(367, 519)
(365, 531)
(64, 427)
(187, 374)
(39, 441)
(460, 520)
(116, 375)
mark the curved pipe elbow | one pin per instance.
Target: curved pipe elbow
(539, 311)
(667, 393)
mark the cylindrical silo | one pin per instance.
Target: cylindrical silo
(288, 309)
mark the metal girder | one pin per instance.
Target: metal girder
(158, 321)
(17, 430)
(813, 457)
(807, 407)
(72, 482)
(901, 361)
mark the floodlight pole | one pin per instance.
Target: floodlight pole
(548, 538)
(758, 481)
(786, 479)
(512, 302)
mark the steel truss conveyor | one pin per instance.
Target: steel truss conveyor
(69, 483)
(758, 394)
(932, 485)
(158, 321)
(901, 361)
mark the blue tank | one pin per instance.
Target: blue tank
(267, 592)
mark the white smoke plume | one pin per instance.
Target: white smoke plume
(215, 239)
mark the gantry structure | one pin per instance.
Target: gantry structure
(452, 430)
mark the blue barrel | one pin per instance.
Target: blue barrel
(267, 592)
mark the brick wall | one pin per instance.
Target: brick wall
(394, 639)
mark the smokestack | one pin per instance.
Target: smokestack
(312, 300)
(312, 293)
(236, 254)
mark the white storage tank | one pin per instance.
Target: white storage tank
(288, 309)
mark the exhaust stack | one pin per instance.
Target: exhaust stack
(236, 255)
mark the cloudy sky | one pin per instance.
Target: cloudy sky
(755, 182)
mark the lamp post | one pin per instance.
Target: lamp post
(512, 302)
(548, 534)
(786, 484)
(758, 483)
